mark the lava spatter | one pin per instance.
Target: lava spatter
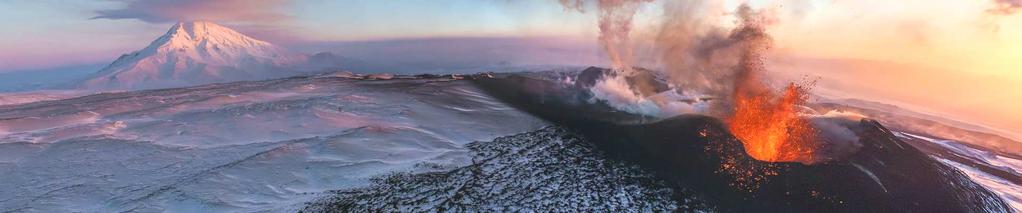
(770, 127)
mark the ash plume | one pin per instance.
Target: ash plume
(712, 60)
(696, 54)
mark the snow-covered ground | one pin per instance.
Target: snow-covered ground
(246, 146)
(1010, 191)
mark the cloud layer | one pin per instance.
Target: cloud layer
(164, 11)
(1006, 7)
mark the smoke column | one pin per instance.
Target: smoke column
(615, 22)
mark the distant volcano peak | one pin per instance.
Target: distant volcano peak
(192, 53)
(203, 31)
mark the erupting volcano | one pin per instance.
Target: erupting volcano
(708, 59)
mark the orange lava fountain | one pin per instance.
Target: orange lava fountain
(767, 121)
(769, 125)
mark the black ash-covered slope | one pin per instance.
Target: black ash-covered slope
(698, 153)
(546, 170)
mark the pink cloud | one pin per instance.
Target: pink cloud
(163, 11)
(1006, 7)
(262, 19)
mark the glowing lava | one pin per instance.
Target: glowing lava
(769, 125)
(765, 120)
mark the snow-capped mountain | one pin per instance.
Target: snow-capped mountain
(193, 53)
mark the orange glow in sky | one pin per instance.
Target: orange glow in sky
(951, 58)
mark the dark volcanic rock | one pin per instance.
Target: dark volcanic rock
(541, 171)
(698, 153)
(644, 82)
(588, 77)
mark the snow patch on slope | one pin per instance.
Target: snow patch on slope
(36, 96)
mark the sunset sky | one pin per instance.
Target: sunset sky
(916, 52)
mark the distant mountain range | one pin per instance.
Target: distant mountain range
(201, 52)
